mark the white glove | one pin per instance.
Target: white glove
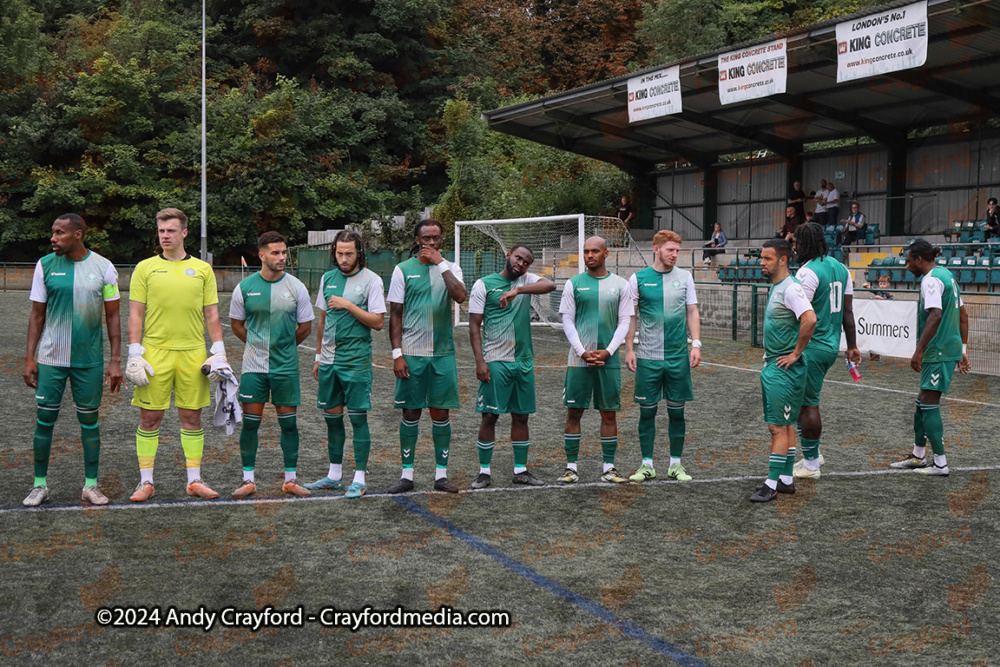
(137, 368)
(218, 362)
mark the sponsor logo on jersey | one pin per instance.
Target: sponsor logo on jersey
(189, 272)
(415, 276)
(57, 274)
(582, 289)
(160, 271)
(253, 293)
(651, 284)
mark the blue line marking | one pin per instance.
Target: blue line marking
(631, 629)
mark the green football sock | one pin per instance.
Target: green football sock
(647, 429)
(336, 435)
(520, 455)
(289, 440)
(408, 432)
(572, 446)
(485, 453)
(810, 449)
(441, 434)
(919, 435)
(789, 462)
(362, 439)
(90, 437)
(609, 445)
(249, 433)
(676, 429)
(45, 421)
(775, 466)
(933, 427)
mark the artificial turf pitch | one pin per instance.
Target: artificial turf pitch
(865, 565)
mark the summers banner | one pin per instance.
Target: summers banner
(655, 94)
(757, 71)
(893, 40)
(885, 327)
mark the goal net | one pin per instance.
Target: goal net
(557, 244)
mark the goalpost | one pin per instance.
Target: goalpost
(556, 241)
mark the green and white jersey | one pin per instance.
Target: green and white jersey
(506, 331)
(826, 282)
(938, 289)
(345, 339)
(598, 308)
(427, 312)
(660, 301)
(272, 311)
(786, 302)
(74, 292)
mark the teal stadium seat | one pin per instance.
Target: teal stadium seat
(982, 271)
(968, 267)
(871, 275)
(899, 271)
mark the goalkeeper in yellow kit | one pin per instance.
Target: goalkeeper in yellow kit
(172, 299)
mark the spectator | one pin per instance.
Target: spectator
(625, 212)
(809, 216)
(883, 292)
(832, 203)
(792, 222)
(820, 197)
(797, 198)
(718, 240)
(855, 226)
(992, 218)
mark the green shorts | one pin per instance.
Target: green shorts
(936, 375)
(782, 392)
(342, 385)
(818, 362)
(87, 385)
(433, 383)
(511, 389)
(602, 382)
(669, 378)
(259, 387)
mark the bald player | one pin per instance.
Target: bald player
(596, 311)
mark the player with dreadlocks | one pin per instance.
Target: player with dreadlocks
(829, 287)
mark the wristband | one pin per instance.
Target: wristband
(965, 348)
(136, 350)
(396, 353)
(696, 343)
(218, 347)
(317, 357)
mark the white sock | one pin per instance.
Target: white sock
(675, 460)
(440, 473)
(785, 479)
(811, 464)
(407, 474)
(359, 476)
(519, 469)
(193, 474)
(335, 471)
(920, 452)
(608, 466)
(146, 475)
(647, 462)
(940, 461)
(571, 466)
(289, 475)
(771, 483)
(484, 471)
(248, 476)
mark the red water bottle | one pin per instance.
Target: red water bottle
(852, 368)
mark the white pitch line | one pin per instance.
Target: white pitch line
(382, 494)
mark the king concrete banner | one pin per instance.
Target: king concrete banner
(885, 327)
(753, 72)
(655, 94)
(891, 41)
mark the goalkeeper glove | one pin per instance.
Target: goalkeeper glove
(137, 368)
(218, 359)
